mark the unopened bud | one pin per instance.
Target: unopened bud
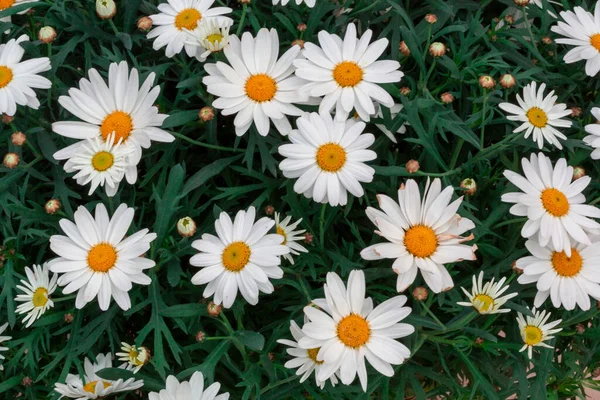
(546, 40)
(404, 49)
(52, 206)
(578, 172)
(469, 186)
(18, 138)
(206, 113)
(298, 42)
(521, 3)
(479, 341)
(27, 381)
(308, 238)
(420, 293)
(487, 82)
(405, 90)
(47, 34)
(509, 19)
(579, 328)
(576, 112)
(200, 336)
(412, 166)
(269, 210)
(301, 27)
(431, 18)
(68, 318)
(106, 9)
(437, 49)
(447, 98)
(214, 310)
(7, 119)
(186, 227)
(507, 81)
(11, 160)
(144, 24)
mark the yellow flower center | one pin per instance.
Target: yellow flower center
(215, 38)
(281, 232)
(102, 161)
(420, 241)
(261, 88)
(533, 335)
(537, 117)
(188, 19)
(354, 331)
(348, 74)
(567, 266)
(483, 302)
(236, 256)
(118, 122)
(4, 4)
(331, 157)
(312, 354)
(90, 387)
(40, 297)
(595, 41)
(555, 202)
(6, 74)
(102, 257)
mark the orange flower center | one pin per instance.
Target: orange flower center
(354, 331)
(118, 122)
(537, 117)
(188, 19)
(102, 257)
(4, 4)
(420, 241)
(90, 387)
(567, 266)
(595, 41)
(348, 74)
(555, 202)
(331, 157)
(261, 88)
(236, 256)
(6, 74)
(40, 297)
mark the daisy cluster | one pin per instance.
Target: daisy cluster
(321, 97)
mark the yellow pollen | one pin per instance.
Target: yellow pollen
(348, 74)
(537, 117)
(133, 353)
(567, 266)
(102, 257)
(281, 232)
(215, 38)
(485, 302)
(4, 4)
(420, 241)
(312, 354)
(354, 331)
(188, 19)
(595, 41)
(90, 387)
(40, 297)
(102, 161)
(236, 256)
(331, 157)
(118, 122)
(533, 335)
(261, 88)
(555, 202)
(6, 74)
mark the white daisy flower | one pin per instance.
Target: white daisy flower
(3, 339)
(485, 299)
(97, 260)
(306, 359)
(539, 115)
(175, 17)
(6, 4)
(189, 390)
(243, 257)
(582, 30)
(123, 109)
(309, 3)
(328, 158)
(100, 163)
(423, 234)
(37, 288)
(94, 386)
(394, 110)
(347, 73)
(257, 86)
(567, 280)
(535, 330)
(552, 204)
(351, 330)
(135, 357)
(593, 139)
(19, 78)
(290, 236)
(210, 36)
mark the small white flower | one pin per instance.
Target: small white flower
(94, 386)
(243, 257)
(37, 291)
(486, 299)
(535, 331)
(3, 339)
(290, 236)
(135, 357)
(552, 203)
(211, 36)
(189, 390)
(328, 158)
(593, 139)
(539, 115)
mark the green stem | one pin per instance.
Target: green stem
(455, 154)
(209, 146)
(65, 298)
(282, 382)
(112, 25)
(242, 20)
(528, 25)
(482, 135)
(322, 226)
(432, 315)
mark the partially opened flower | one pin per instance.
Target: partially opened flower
(37, 290)
(210, 36)
(552, 203)
(487, 299)
(568, 280)
(92, 386)
(350, 330)
(3, 339)
(96, 260)
(189, 390)
(422, 233)
(135, 357)
(177, 16)
(290, 236)
(346, 73)
(539, 115)
(536, 330)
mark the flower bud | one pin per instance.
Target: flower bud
(18, 138)
(68, 318)
(214, 310)
(447, 98)
(7, 119)
(269, 210)
(27, 381)
(11, 160)
(516, 269)
(469, 186)
(509, 19)
(144, 24)
(437, 49)
(576, 112)
(206, 113)
(507, 81)
(404, 49)
(412, 166)
(431, 18)
(479, 341)
(47, 34)
(200, 336)
(308, 238)
(298, 42)
(106, 9)
(578, 172)
(186, 227)
(546, 40)
(301, 27)
(487, 82)
(405, 90)
(420, 293)
(52, 206)
(521, 3)
(579, 328)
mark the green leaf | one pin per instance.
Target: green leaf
(180, 118)
(10, 383)
(207, 172)
(114, 374)
(253, 340)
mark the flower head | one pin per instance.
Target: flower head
(210, 36)
(189, 390)
(291, 235)
(134, 356)
(485, 299)
(535, 330)
(3, 339)
(37, 289)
